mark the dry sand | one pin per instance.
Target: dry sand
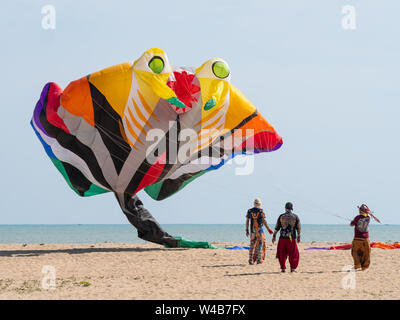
(148, 271)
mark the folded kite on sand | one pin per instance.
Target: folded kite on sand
(347, 246)
(186, 243)
(382, 245)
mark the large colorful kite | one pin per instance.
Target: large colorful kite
(147, 125)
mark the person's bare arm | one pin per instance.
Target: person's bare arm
(247, 227)
(274, 236)
(298, 229)
(266, 225)
(277, 228)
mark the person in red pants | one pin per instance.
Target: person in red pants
(289, 226)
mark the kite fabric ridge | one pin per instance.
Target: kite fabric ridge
(95, 131)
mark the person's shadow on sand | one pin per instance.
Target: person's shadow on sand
(250, 274)
(38, 252)
(224, 265)
(278, 272)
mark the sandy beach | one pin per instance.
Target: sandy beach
(149, 271)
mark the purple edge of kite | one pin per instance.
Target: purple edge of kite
(39, 107)
(256, 151)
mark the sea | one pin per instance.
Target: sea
(100, 233)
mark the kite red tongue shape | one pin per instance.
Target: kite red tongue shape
(185, 90)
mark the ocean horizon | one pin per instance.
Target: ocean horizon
(100, 233)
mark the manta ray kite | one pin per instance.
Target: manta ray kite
(147, 125)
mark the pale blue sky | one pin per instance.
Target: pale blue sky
(332, 94)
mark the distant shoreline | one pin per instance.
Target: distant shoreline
(126, 233)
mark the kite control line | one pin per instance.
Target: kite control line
(375, 218)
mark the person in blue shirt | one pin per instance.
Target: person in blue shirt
(256, 217)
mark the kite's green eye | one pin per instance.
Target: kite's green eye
(220, 69)
(156, 64)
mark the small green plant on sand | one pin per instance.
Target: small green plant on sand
(85, 284)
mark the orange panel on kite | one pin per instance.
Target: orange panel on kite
(77, 99)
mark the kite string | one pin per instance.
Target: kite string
(308, 201)
(212, 145)
(312, 203)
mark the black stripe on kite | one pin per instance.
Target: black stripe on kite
(168, 165)
(171, 186)
(241, 124)
(108, 123)
(77, 179)
(145, 165)
(71, 143)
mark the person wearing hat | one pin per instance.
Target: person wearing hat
(289, 226)
(256, 217)
(361, 249)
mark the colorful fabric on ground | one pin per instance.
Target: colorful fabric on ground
(241, 248)
(341, 247)
(381, 245)
(98, 132)
(287, 248)
(257, 247)
(361, 251)
(185, 243)
(348, 246)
